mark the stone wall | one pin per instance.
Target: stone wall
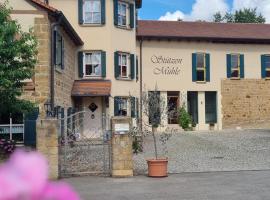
(64, 79)
(245, 103)
(47, 144)
(37, 90)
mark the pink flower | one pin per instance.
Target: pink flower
(24, 177)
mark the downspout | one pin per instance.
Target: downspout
(53, 26)
(141, 87)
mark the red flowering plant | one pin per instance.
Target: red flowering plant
(7, 147)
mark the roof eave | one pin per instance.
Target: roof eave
(207, 39)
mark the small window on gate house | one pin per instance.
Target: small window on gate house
(123, 106)
(267, 66)
(235, 66)
(201, 67)
(124, 65)
(92, 64)
(92, 11)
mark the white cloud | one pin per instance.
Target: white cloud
(263, 6)
(173, 16)
(201, 10)
(205, 9)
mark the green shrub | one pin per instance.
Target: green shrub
(184, 118)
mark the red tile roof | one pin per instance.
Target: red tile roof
(44, 5)
(90, 88)
(223, 32)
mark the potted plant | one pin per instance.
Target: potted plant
(155, 108)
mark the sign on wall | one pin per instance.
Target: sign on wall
(164, 65)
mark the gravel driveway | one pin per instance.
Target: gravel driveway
(229, 150)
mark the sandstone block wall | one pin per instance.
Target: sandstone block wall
(38, 91)
(64, 79)
(246, 103)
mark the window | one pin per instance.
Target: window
(122, 13)
(200, 67)
(58, 50)
(92, 11)
(173, 105)
(235, 66)
(92, 64)
(124, 65)
(267, 66)
(121, 106)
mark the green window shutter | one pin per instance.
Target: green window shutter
(137, 69)
(103, 12)
(132, 15)
(115, 6)
(263, 66)
(54, 46)
(103, 64)
(194, 67)
(242, 66)
(80, 11)
(133, 107)
(116, 65)
(116, 106)
(137, 108)
(80, 64)
(229, 65)
(132, 66)
(207, 63)
(63, 54)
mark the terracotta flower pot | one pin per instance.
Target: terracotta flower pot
(157, 168)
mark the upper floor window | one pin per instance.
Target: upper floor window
(235, 66)
(58, 50)
(124, 65)
(92, 11)
(124, 14)
(92, 64)
(266, 66)
(200, 67)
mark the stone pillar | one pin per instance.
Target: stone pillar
(122, 155)
(47, 144)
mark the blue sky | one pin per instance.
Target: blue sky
(154, 9)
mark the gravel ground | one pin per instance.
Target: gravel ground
(229, 150)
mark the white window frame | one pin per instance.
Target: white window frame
(84, 64)
(201, 68)
(91, 13)
(235, 69)
(121, 3)
(120, 64)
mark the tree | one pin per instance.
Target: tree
(247, 15)
(18, 51)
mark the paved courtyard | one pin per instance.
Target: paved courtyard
(228, 150)
(245, 185)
